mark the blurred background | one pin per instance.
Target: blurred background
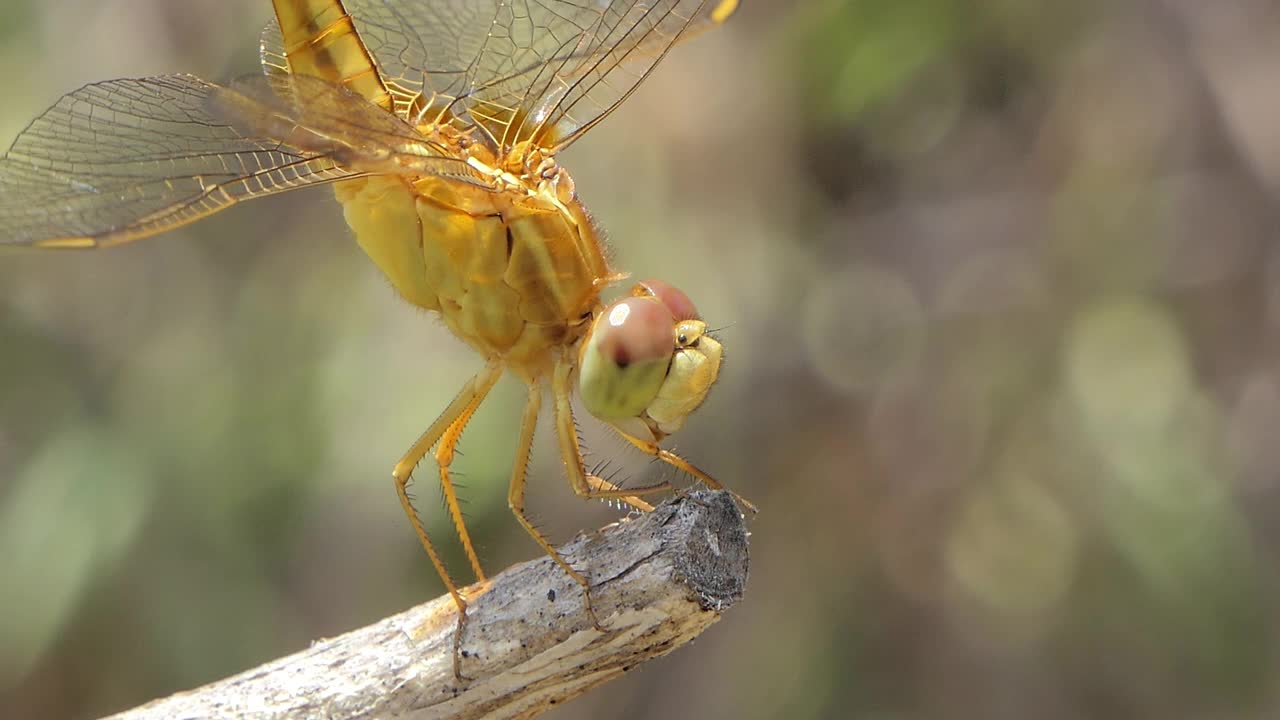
(1002, 292)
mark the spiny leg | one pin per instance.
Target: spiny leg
(515, 496)
(472, 394)
(601, 488)
(649, 447)
(453, 419)
(585, 484)
(444, 458)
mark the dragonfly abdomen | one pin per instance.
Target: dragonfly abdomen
(320, 39)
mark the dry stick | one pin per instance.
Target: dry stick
(658, 580)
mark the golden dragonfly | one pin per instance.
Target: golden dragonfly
(438, 123)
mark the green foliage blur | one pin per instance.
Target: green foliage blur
(998, 281)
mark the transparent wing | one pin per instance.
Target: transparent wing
(125, 159)
(541, 70)
(592, 56)
(328, 120)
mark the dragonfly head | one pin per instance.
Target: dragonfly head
(648, 362)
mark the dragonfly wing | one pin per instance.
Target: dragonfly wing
(271, 50)
(553, 87)
(125, 159)
(545, 70)
(384, 33)
(308, 113)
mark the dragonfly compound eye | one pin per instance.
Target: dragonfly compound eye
(625, 358)
(681, 307)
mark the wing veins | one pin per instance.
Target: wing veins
(600, 58)
(604, 76)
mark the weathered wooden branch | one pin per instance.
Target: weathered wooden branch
(658, 580)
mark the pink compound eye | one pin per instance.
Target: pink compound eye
(635, 330)
(681, 307)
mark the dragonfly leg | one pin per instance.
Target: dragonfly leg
(601, 488)
(448, 426)
(515, 496)
(445, 450)
(585, 484)
(651, 448)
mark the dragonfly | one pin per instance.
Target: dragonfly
(437, 123)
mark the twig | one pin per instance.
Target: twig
(658, 580)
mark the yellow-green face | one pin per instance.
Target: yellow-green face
(694, 369)
(648, 358)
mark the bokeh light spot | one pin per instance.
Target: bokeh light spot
(863, 327)
(1127, 366)
(1014, 551)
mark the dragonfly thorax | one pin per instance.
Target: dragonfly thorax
(514, 272)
